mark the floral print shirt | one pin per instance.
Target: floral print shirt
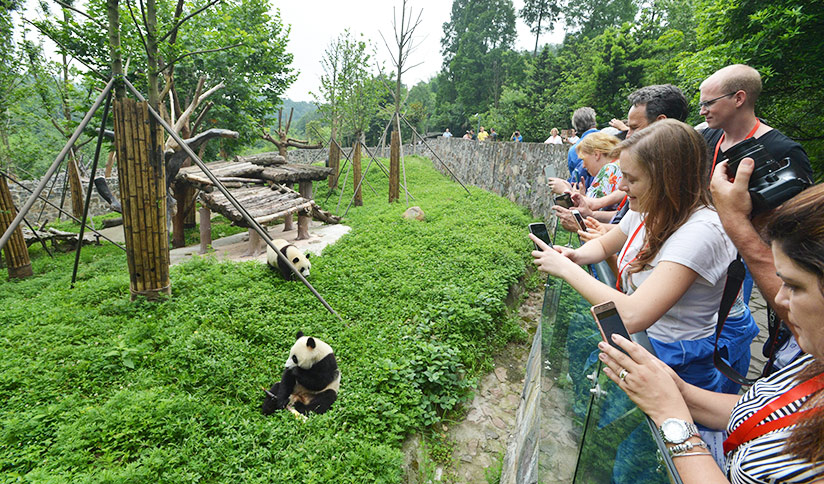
(606, 181)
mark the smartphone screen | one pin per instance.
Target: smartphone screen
(579, 219)
(563, 200)
(609, 322)
(540, 231)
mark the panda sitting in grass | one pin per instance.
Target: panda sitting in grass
(310, 381)
(293, 254)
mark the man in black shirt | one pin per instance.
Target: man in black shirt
(728, 103)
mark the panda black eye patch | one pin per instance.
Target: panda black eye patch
(295, 358)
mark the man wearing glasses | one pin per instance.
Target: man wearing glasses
(728, 103)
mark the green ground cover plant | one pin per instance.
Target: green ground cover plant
(96, 388)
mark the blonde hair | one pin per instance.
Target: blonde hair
(597, 143)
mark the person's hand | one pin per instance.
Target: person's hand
(552, 260)
(731, 197)
(558, 185)
(581, 186)
(567, 219)
(646, 381)
(595, 229)
(618, 124)
(582, 203)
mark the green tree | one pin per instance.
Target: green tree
(540, 16)
(474, 44)
(591, 18)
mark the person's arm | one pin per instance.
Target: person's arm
(558, 185)
(639, 310)
(734, 205)
(648, 382)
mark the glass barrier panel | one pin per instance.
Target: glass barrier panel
(590, 431)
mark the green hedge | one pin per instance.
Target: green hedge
(99, 389)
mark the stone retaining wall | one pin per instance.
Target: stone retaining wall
(54, 193)
(517, 171)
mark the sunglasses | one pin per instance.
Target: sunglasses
(706, 104)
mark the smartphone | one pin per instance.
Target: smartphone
(540, 231)
(563, 200)
(579, 219)
(609, 322)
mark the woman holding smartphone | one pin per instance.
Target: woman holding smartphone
(776, 429)
(673, 256)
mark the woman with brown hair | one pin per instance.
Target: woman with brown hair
(673, 256)
(776, 429)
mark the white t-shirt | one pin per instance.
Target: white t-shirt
(554, 140)
(701, 245)
(574, 139)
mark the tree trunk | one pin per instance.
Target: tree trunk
(356, 171)
(394, 166)
(113, 14)
(75, 188)
(334, 163)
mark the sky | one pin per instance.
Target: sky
(318, 22)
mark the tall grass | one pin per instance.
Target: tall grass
(99, 389)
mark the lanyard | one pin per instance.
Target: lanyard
(624, 254)
(621, 205)
(721, 140)
(750, 428)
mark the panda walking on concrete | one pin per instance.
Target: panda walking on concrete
(310, 381)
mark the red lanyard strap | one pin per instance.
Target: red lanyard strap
(626, 249)
(721, 140)
(750, 428)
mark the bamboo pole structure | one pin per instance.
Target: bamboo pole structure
(50, 172)
(394, 166)
(16, 252)
(141, 171)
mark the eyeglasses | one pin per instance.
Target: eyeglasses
(706, 104)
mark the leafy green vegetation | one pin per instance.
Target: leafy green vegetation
(100, 389)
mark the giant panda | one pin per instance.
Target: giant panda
(295, 256)
(310, 381)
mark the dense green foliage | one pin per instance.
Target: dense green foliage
(99, 389)
(614, 47)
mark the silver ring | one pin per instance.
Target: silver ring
(623, 374)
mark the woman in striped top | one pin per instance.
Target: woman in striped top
(777, 427)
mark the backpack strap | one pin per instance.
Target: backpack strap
(736, 272)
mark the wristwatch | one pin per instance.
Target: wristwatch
(677, 431)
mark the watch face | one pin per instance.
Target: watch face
(675, 431)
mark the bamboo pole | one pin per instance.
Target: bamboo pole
(16, 252)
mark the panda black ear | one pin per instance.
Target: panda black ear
(300, 335)
(308, 254)
(310, 343)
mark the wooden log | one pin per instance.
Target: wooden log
(356, 174)
(394, 166)
(139, 142)
(263, 159)
(304, 216)
(16, 251)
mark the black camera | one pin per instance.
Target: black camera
(772, 183)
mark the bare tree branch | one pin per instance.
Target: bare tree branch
(69, 7)
(180, 22)
(136, 24)
(204, 52)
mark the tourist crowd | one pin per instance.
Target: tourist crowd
(689, 225)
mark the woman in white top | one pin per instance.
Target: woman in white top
(776, 429)
(673, 255)
(554, 139)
